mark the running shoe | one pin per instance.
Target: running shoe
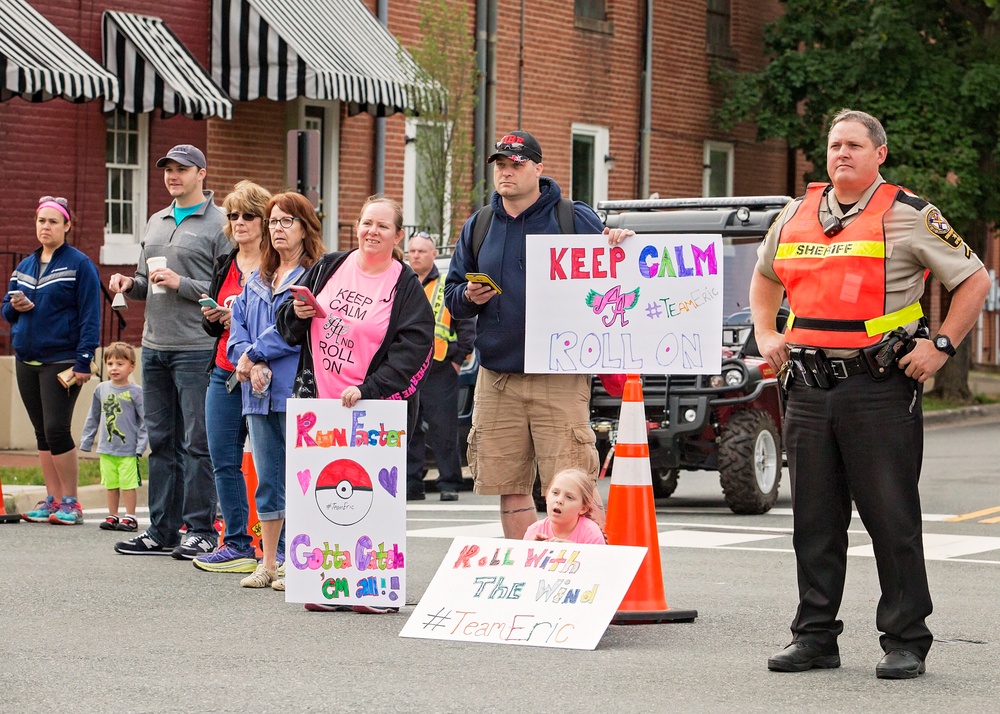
(128, 524)
(69, 513)
(192, 547)
(227, 559)
(142, 544)
(110, 523)
(43, 509)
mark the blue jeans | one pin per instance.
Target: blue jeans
(181, 487)
(225, 443)
(267, 442)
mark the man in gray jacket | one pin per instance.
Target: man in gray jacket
(179, 249)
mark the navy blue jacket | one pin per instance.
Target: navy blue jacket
(65, 324)
(500, 330)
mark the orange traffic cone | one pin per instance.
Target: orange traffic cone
(253, 521)
(4, 516)
(631, 518)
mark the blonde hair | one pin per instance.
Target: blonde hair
(397, 219)
(246, 197)
(589, 494)
(119, 350)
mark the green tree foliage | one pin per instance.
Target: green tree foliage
(928, 69)
(446, 63)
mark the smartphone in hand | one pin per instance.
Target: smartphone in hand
(209, 302)
(301, 292)
(16, 294)
(483, 279)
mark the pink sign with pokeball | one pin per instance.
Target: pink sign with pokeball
(345, 527)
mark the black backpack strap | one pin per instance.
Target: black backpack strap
(565, 216)
(479, 230)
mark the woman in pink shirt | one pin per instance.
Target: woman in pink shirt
(377, 337)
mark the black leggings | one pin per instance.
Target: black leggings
(49, 404)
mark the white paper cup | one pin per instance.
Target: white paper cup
(152, 264)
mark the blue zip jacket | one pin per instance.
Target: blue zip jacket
(500, 330)
(65, 324)
(252, 331)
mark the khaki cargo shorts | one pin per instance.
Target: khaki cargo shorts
(524, 422)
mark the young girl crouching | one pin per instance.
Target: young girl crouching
(574, 508)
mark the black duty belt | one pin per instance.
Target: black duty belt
(814, 368)
(844, 368)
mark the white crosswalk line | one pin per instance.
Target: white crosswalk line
(708, 539)
(481, 530)
(938, 546)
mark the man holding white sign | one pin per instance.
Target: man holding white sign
(521, 422)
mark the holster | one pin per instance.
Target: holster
(875, 362)
(813, 366)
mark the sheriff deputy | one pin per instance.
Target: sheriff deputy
(852, 258)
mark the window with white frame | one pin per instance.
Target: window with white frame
(591, 163)
(426, 181)
(717, 170)
(126, 169)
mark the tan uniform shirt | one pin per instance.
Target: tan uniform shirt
(917, 237)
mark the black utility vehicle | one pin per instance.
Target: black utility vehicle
(728, 422)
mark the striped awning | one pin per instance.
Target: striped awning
(39, 63)
(320, 49)
(156, 71)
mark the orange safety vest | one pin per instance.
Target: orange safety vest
(443, 334)
(836, 285)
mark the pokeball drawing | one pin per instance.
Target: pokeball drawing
(344, 492)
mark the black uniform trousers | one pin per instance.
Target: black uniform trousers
(439, 411)
(861, 439)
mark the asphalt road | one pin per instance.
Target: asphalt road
(86, 630)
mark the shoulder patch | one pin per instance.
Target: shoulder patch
(937, 224)
(910, 200)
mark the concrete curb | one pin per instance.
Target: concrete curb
(971, 413)
(21, 499)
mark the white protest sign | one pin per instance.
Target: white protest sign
(518, 592)
(345, 486)
(651, 305)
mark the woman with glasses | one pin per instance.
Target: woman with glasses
(245, 208)
(265, 364)
(393, 338)
(53, 305)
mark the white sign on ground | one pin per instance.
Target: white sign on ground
(345, 501)
(651, 305)
(517, 592)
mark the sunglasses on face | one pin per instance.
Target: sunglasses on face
(247, 217)
(285, 222)
(55, 199)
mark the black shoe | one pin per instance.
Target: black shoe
(192, 547)
(142, 544)
(414, 496)
(899, 664)
(449, 496)
(798, 657)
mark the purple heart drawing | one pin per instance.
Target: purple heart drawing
(304, 478)
(389, 479)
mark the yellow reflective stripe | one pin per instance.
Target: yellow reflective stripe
(790, 321)
(887, 323)
(851, 249)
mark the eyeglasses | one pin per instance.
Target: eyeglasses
(285, 222)
(236, 216)
(55, 199)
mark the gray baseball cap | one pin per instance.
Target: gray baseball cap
(185, 155)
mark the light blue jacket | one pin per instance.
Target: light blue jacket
(252, 331)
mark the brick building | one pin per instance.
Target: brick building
(575, 74)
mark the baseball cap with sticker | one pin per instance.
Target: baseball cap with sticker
(519, 146)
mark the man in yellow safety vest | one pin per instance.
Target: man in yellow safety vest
(438, 409)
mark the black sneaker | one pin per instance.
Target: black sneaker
(192, 547)
(109, 524)
(142, 544)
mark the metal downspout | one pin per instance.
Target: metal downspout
(379, 148)
(479, 138)
(647, 102)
